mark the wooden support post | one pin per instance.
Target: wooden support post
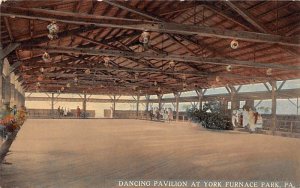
(159, 96)
(274, 118)
(177, 95)
(147, 102)
(84, 105)
(137, 105)
(52, 105)
(200, 93)
(1, 83)
(114, 106)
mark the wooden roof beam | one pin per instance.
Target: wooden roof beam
(157, 27)
(157, 56)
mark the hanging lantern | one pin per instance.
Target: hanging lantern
(68, 85)
(136, 76)
(184, 85)
(229, 68)
(46, 57)
(106, 61)
(155, 83)
(269, 72)
(87, 71)
(42, 69)
(40, 78)
(171, 64)
(38, 84)
(75, 79)
(53, 30)
(144, 39)
(234, 44)
(218, 79)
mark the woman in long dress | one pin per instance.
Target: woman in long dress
(245, 118)
(251, 120)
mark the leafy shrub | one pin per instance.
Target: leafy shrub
(211, 116)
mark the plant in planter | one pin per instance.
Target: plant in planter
(211, 116)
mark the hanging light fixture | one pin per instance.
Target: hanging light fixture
(145, 38)
(42, 69)
(136, 76)
(68, 85)
(171, 64)
(38, 84)
(218, 79)
(46, 57)
(155, 83)
(53, 30)
(87, 71)
(184, 85)
(106, 61)
(76, 79)
(229, 68)
(269, 71)
(234, 44)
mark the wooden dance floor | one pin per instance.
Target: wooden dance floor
(99, 152)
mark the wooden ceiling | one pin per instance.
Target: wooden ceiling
(196, 35)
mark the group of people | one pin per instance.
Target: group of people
(165, 114)
(11, 119)
(64, 112)
(247, 118)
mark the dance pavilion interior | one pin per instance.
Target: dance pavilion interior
(96, 56)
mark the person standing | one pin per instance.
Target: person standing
(170, 114)
(78, 112)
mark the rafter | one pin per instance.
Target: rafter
(147, 55)
(157, 27)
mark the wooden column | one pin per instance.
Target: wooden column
(84, 105)
(177, 95)
(137, 105)
(200, 93)
(114, 106)
(159, 96)
(1, 83)
(274, 96)
(52, 105)
(147, 102)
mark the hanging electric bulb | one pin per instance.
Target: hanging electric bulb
(145, 38)
(42, 69)
(155, 83)
(159, 89)
(171, 64)
(46, 57)
(234, 44)
(136, 76)
(87, 71)
(53, 30)
(229, 68)
(218, 79)
(269, 71)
